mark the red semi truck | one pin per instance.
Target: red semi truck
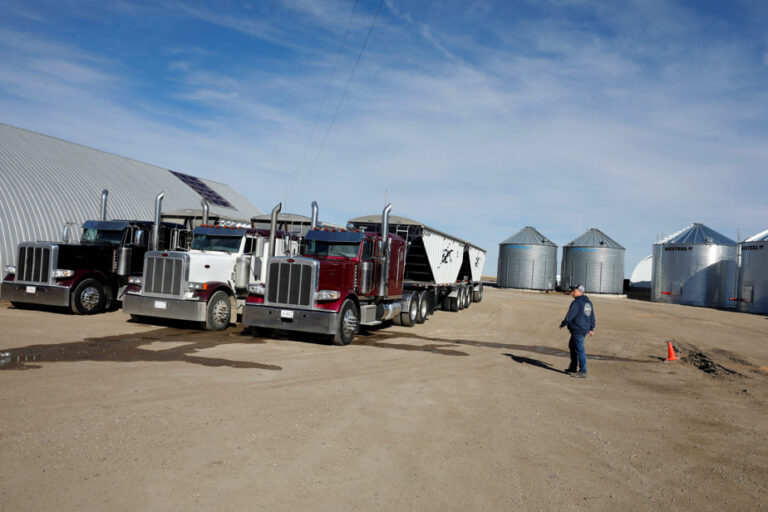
(343, 279)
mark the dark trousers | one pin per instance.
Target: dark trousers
(578, 356)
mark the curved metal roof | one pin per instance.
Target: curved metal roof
(45, 182)
(696, 234)
(593, 237)
(760, 237)
(294, 218)
(529, 236)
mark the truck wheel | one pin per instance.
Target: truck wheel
(408, 318)
(348, 323)
(477, 295)
(460, 299)
(453, 303)
(423, 310)
(467, 296)
(88, 298)
(218, 313)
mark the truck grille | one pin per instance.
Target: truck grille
(163, 276)
(34, 264)
(290, 284)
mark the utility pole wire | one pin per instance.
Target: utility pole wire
(344, 95)
(297, 175)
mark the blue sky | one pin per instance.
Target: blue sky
(477, 118)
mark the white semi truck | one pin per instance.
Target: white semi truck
(209, 283)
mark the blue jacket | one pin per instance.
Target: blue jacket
(580, 318)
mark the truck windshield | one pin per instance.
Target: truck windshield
(102, 235)
(322, 248)
(216, 243)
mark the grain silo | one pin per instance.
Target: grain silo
(528, 260)
(695, 266)
(753, 274)
(595, 261)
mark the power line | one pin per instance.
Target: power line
(325, 95)
(341, 100)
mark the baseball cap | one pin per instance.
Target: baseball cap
(577, 287)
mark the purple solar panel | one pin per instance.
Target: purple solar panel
(204, 190)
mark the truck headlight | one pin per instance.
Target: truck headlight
(197, 286)
(61, 273)
(327, 295)
(10, 269)
(137, 280)
(256, 288)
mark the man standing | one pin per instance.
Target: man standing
(580, 320)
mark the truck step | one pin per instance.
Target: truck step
(371, 323)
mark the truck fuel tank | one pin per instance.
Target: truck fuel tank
(243, 271)
(124, 261)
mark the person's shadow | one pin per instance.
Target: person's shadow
(533, 362)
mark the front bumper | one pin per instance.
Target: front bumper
(178, 309)
(35, 294)
(268, 317)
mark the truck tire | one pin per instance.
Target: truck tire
(460, 298)
(467, 296)
(408, 318)
(477, 295)
(88, 298)
(423, 310)
(349, 321)
(453, 303)
(218, 312)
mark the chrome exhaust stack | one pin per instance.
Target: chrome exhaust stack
(204, 204)
(273, 228)
(104, 195)
(314, 215)
(156, 226)
(384, 281)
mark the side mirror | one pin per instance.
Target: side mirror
(140, 238)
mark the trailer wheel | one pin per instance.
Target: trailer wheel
(218, 312)
(477, 295)
(453, 303)
(88, 298)
(423, 310)
(467, 296)
(460, 298)
(408, 318)
(349, 321)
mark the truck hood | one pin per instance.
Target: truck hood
(209, 266)
(336, 274)
(79, 256)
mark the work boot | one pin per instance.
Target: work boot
(570, 370)
(578, 375)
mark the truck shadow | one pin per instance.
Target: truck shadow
(128, 348)
(364, 338)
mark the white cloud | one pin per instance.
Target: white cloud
(476, 139)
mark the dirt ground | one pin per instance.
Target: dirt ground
(470, 411)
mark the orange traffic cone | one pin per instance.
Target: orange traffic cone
(671, 352)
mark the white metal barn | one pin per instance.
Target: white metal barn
(46, 182)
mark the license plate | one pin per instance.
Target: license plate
(286, 313)
(160, 304)
(31, 289)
